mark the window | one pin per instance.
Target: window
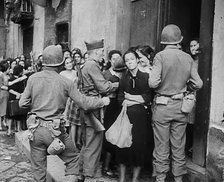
(62, 33)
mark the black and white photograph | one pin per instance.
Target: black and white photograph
(111, 91)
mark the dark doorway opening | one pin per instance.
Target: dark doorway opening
(187, 15)
(195, 18)
(62, 33)
(27, 41)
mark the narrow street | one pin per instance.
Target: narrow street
(14, 166)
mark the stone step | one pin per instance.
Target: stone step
(55, 166)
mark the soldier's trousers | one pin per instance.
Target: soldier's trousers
(90, 153)
(42, 139)
(169, 127)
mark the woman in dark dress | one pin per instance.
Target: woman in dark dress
(135, 93)
(15, 92)
(112, 74)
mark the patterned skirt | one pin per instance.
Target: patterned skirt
(72, 113)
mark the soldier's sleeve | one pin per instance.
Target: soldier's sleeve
(155, 74)
(195, 81)
(25, 99)
(85, 102)
(101, 84)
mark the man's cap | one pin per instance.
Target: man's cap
(94, 45)
(53, 56)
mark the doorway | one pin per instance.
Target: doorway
(192, 16)
(27, 41)
(187, 15)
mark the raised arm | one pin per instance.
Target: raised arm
(155, 73)
(195, 82)
(25, 99)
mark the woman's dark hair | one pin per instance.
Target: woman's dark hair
(67, 50)
(147, 51)
(112, 52)
(134, 48)
(17, 70)
(9, 60)
(130, 51)
(76, 50)
(4, 65)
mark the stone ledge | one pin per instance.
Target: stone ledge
(55, 166)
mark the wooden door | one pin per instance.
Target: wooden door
(144, 17)
(186, 15)
(195, 19)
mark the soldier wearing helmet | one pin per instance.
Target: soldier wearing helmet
(46, 94)
(173, 77)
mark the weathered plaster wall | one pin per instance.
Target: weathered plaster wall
(38, 30)
(108, 20)
(53, 16)
(2, 38)
(14, 40)
(217, 92)
(215, 147)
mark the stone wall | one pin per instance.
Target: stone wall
(54, 16)
(108, 20)
(215, 145)
(38, 31)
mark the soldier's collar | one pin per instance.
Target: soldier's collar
(172, 47)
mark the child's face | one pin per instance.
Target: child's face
(194, 46)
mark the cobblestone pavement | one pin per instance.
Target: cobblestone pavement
(14, 166)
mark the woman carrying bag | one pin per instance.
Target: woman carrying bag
(135, 94)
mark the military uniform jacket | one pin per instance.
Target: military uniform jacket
(94, 84)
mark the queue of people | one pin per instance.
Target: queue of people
(13, 76)
(74, 98)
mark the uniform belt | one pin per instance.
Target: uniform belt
(179, 96)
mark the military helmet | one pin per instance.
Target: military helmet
(171, 34)
(53, 56)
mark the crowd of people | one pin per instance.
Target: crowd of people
(13, 76)
(83, 101)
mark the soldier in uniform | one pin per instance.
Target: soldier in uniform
(46, 93)
(172, 76)
(92, 84)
